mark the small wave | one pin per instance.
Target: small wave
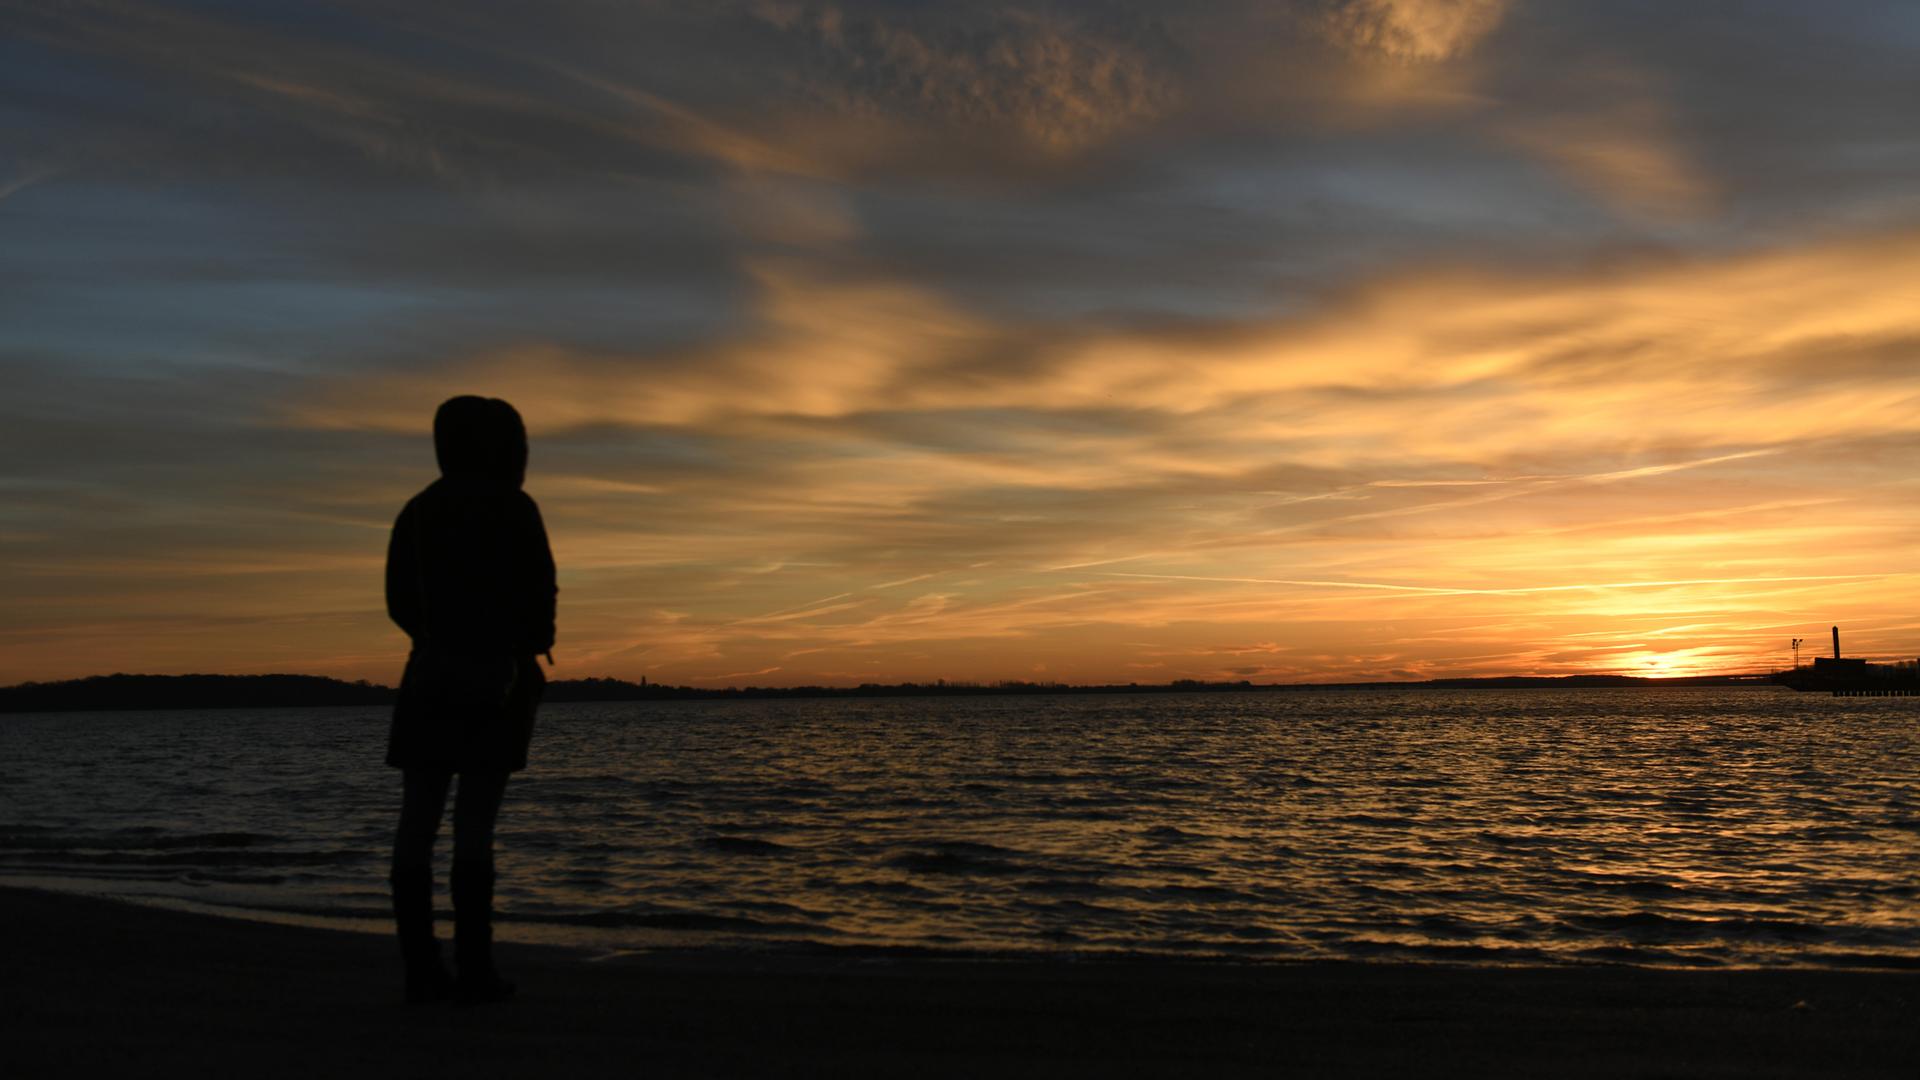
(1170, 834)
(1038, 777)
(188, 857)
(1501, 838)
(664, 920)
(1446, 952)
(235, 879)
(958, 857)
(941, 862)
(1446, 926)
(1633, 886)
(132, 840)
(1068, 887)
(1652, 926)
(880, 888)
(1210, 894)
(1839, 959)
(743, 845)
(1837, 832)
(1640, 956)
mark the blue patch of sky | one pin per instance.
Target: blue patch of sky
(45, 87)
(1351, 206)
(1884, 26)
(396, 39)
(1245, 232)
(1061, 257)
(109, 275)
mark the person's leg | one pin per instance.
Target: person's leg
(423, 802)
(475, 809)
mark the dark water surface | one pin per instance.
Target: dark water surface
(1662, 827)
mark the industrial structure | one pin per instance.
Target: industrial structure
(1851, 676)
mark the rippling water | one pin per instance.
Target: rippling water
(1664, 827)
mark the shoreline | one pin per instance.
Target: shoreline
(98, 985)
(603, 945)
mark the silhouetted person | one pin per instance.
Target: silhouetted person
(470, 579)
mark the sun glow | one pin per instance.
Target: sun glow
(1681, 662)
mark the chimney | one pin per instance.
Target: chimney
(1836, 643)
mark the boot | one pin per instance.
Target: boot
(427, 978)
(479, 982)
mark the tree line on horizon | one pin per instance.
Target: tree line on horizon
(119, 692)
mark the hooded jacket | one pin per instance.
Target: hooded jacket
(470, 578)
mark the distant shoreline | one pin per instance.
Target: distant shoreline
(120, 692)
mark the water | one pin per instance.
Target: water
(1666, 827)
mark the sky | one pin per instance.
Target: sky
(1291, 340)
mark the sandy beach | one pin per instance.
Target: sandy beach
(97, 987)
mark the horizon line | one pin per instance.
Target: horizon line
(939, 683)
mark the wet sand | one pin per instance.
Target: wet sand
(97, 987)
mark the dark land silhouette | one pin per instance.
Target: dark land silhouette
(109, 693)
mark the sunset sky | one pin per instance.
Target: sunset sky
(1132, 341)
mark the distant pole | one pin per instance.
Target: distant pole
(1796, 654)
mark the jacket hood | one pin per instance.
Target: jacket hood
(480, 440)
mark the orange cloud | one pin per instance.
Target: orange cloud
(1751, 349)
(910, 485)
(1418, 29)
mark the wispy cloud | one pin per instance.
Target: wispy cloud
(1430, 590)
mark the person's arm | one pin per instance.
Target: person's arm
(406, 604)
(542, 588)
